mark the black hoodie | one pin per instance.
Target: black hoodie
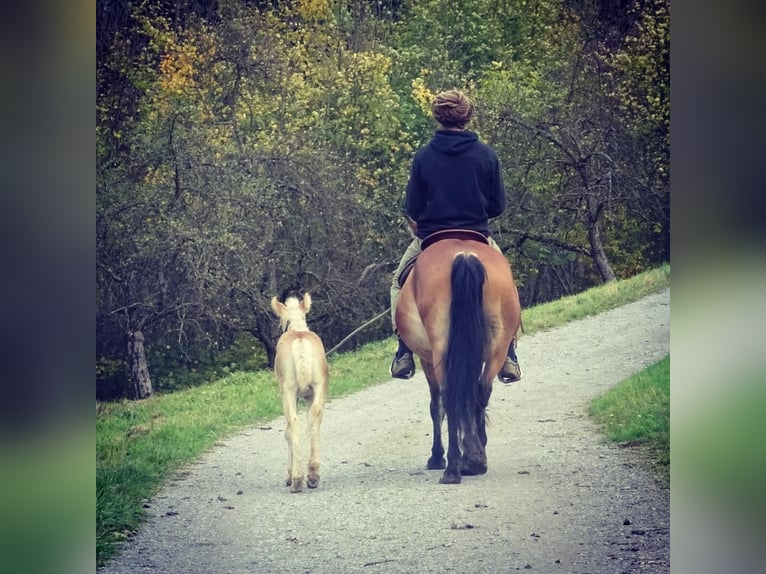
(455, 183)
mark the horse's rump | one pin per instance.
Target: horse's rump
(425, 303)
(300, 359)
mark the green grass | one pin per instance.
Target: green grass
(139, 444)
(595, 300)
(637, 412)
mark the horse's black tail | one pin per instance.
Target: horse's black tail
(468, 338)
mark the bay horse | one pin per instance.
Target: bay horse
(302, 373)
(458, 311)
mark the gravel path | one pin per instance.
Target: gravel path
(556, 498)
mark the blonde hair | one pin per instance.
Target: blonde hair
(452, 109)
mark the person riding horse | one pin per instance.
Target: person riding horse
(455, 183)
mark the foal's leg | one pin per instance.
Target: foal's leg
(437, 417)
(315, 421)
(293, 437)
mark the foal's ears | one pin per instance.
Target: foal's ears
(277, 307)
(306, 303)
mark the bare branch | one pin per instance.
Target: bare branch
(550, 240)
(371, 269)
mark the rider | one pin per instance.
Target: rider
(455, 183)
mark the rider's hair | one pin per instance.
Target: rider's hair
(452, 109)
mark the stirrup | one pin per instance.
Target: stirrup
(510, 372)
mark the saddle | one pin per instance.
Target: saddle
(463, 234)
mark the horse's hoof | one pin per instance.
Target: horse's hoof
(296, 486)
(473, 468)
(436, 463)
(312, 482)
(289, 481)
(450, 478)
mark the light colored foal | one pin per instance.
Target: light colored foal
(302, 373)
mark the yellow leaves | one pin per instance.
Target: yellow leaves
(156, 176)
(312, 10)
(422, 94)
(177, 69)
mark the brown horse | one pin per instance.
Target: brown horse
(458, 311)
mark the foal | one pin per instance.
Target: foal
(301, 370)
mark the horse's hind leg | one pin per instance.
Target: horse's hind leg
(293, 437)
(437, 417)
(474, 445)
(474, 459)
(436, 461)
(315, 420)
(485, 390)
(452, 474)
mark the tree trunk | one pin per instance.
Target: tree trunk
(141, 383)
(598, 253)
(271, 350)
(267, 333)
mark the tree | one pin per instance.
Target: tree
(577, 176)
(251, 149)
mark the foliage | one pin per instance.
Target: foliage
(579, 176)
(642, 68)
(250, 149)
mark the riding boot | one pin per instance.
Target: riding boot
(511, 371)
(403, 365)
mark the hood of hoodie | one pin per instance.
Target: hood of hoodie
(451, 142)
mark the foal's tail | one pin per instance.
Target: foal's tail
(468, 339)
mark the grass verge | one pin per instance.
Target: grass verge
(139, 444)
(636, 412)
(595, 300)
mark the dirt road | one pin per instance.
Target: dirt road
(556, 498)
